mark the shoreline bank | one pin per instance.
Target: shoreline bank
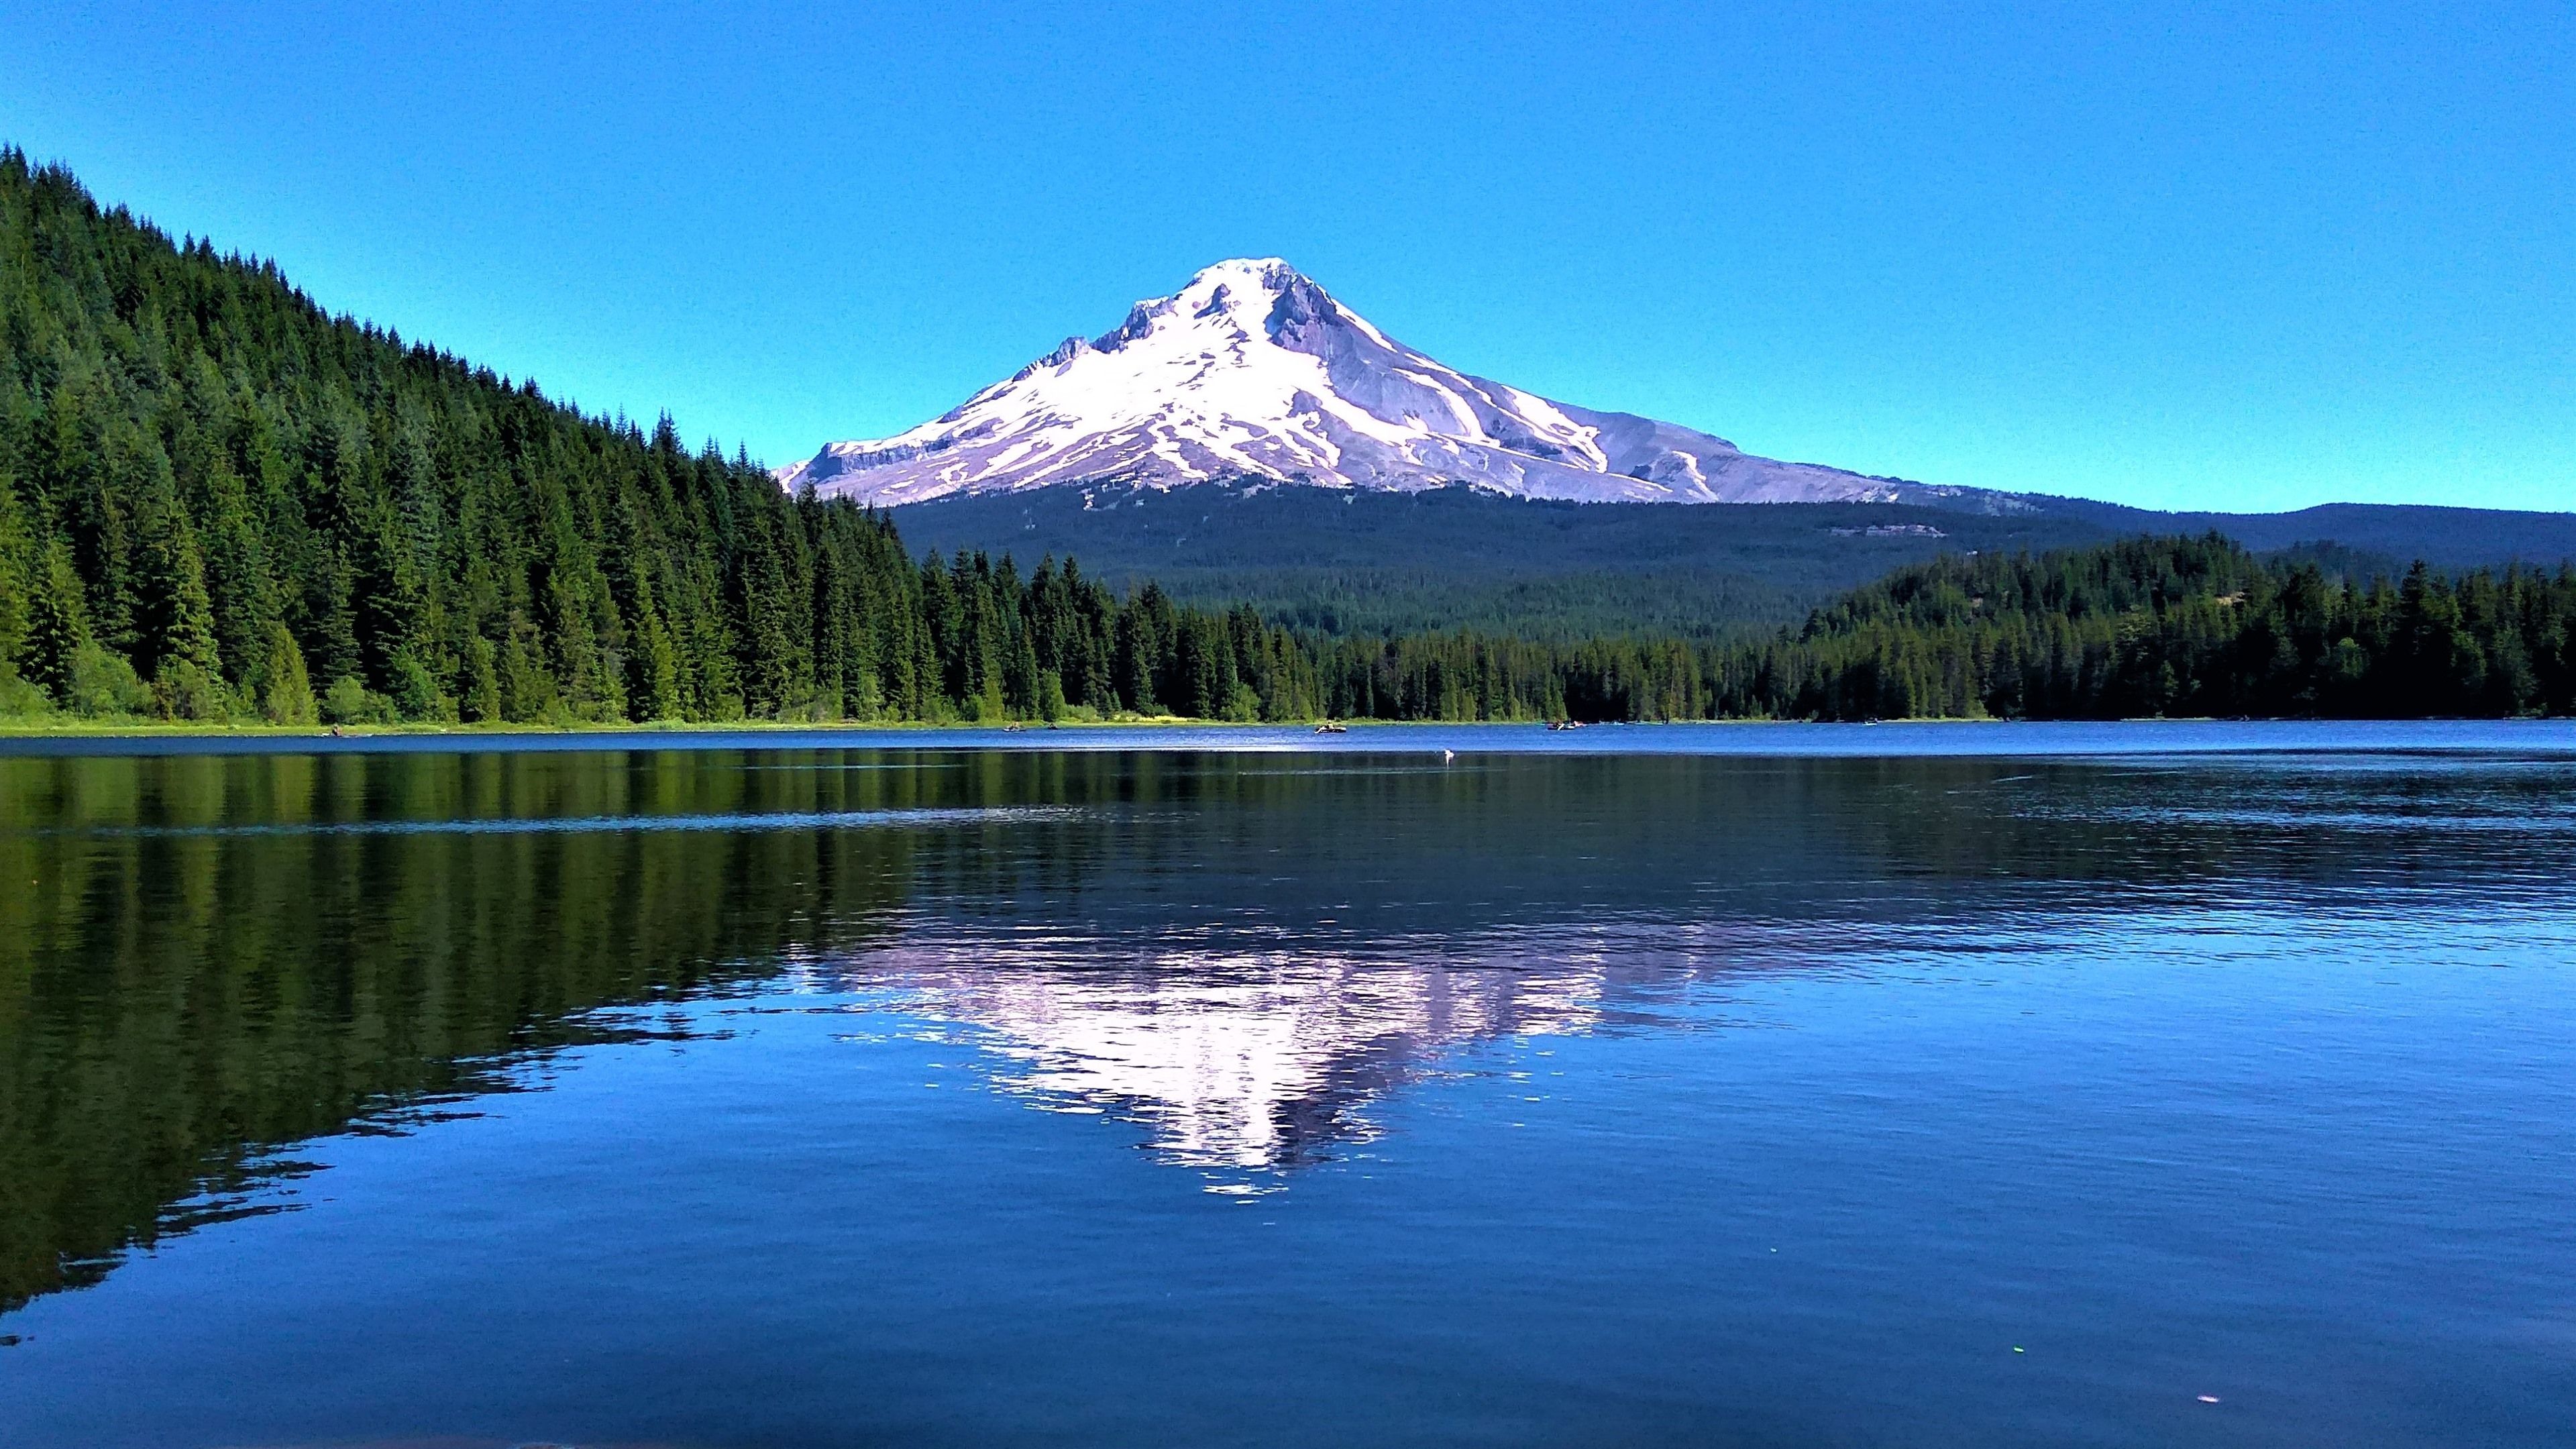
(2540, 738)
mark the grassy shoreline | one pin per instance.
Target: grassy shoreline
(148, 729)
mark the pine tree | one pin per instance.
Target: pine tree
(18, 569)
(57, 625)
(286, 691)
(173, 615)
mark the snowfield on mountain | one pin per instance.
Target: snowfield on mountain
(1254, 372)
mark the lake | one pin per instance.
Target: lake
(1757, 1085)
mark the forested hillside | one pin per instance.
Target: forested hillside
(2172, 626)
(1354, 562)
(218, 502)
(2155, 626)
(1358, 563)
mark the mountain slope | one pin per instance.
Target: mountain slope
(1253, 372)
(1361, 562)
(1356, 561)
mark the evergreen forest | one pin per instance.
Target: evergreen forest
(219, 502)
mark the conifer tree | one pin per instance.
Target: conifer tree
(18, 566)
(173, 615)
(57, 624)
(286, 690)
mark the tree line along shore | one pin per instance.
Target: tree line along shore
(219, 503)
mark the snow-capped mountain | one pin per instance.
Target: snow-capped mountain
(1254, 372)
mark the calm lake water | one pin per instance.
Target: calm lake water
(2096, 1085)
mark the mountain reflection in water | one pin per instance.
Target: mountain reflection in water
(1245, 1061)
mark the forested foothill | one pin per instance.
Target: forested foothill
(220, 503)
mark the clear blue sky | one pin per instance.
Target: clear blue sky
(2160, 254)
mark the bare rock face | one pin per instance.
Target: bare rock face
(1252, 371)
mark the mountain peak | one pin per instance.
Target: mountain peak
(1269, 272)
(1238, 293)
(1253, 371)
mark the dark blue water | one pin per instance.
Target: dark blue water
(1980, 1087)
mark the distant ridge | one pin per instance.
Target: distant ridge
(1253, 373)
(1355, 561)
(2445, 537)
